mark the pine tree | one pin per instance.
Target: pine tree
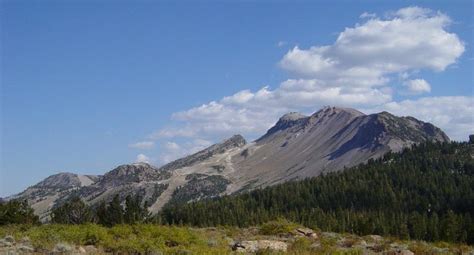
(74, 211)
(17, 212)
(451, 231)
(115, 211)
(134, 211)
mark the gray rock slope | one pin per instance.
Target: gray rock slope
(296, 147)
(45, 194)
(329, 140)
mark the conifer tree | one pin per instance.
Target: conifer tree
(73, 211)
(17, 212)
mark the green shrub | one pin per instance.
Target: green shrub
(278, 227)
(301, 245)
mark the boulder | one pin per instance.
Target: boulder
(22, 248)
(399, 246)
(375, 238)
(9, 239)
(81, 249)
(4, 243)
(63, 248)
(91, 249)
(306, 232)
(259, 245)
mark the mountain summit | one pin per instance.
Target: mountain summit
(296, 147)
(333, 138)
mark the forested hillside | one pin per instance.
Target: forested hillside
(421, 193)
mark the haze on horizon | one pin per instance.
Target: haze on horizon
(86, 86)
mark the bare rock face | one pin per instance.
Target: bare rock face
(260, 245)
(44, 194)
(134, 179)
(307, 232)
(296, 147)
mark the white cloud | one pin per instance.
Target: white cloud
(417, 86)
(142, 158)
(366, 55)
(172, 146)
(142, 145)
(172, 132)
(367, 15)
(173, 150)
(281, 43)
(357, 70)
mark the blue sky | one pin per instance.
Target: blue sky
(89, 85)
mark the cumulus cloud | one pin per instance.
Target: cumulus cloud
(142, 145)
(366, 55)
(142, 158)
(173, 150)
(360, 69)
(417, 86)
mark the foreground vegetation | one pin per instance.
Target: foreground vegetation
(423, 193)
(157, 239)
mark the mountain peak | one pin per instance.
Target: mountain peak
(237, 140)
(332, 110)
(289, 120)
(297, 121)
(130, 169)
(292, 116)
(410, 129)
(60, 180)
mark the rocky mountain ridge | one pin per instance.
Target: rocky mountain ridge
(296, 147)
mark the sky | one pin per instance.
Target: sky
(89, 85)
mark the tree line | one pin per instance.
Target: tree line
(426, 192)
(75, 211)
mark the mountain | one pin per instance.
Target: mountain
(138, 178)
(43, 195)
(300, 146)
(296, 147)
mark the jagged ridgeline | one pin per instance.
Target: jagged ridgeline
(426, 192)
